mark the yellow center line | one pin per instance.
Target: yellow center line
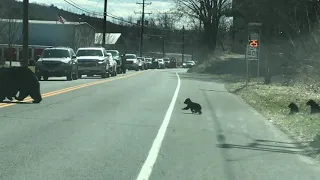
(61, 91)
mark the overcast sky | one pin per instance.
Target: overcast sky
(118, 8)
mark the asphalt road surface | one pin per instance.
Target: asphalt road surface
(132, 127)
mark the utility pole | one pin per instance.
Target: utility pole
(162, 37)
(25, 47)
(163, 46)
(104, 29)
(142, 24)
(183, 30)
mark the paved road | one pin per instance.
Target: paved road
(114, 128)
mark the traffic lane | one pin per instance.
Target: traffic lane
(99, 132)
(228, 141)
(56, 83)
(69, 88)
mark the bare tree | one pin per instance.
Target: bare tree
(130, 20)
(11, 29)
(84, 36)
(209, 13)
(167, 20)
(152, 23)
(121, 21)
(12, 35)
(223, 33)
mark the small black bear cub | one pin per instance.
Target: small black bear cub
(194, 107)
(314, 107)
(293, 108)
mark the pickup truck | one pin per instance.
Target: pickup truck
(94, 61)
(132, 63)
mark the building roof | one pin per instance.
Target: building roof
(45, 22)
(111, 38)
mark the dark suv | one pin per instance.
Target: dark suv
(57, 62)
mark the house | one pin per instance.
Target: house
(112, 41)
(48, 33)
(43, 33)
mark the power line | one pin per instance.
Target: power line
(109, 15)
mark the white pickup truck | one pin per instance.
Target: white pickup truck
(95, 61)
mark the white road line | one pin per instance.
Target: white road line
(146, 169)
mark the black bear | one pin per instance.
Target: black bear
(293, 108)
(20, 79)
(194, 107)
(6, 88)
(314, 107)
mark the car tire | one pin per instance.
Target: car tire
(69, 76)
(39, 77)
(105, 75)
(75, 75)
(45, 77)
(118, 70)
(115, 71)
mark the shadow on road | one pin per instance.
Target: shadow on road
(92, 77)
(263, 147)
(16, 102)
(198, 77)
(55, 80)
(213, 90)
(192, 113)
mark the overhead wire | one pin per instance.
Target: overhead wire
(75, 5)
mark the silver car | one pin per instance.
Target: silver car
(57, 62)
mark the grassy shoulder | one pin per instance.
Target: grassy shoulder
(272, 101)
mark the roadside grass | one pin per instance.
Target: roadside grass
(272, 101)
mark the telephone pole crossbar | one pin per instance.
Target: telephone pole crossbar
(142, 24)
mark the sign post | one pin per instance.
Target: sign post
(253, 47)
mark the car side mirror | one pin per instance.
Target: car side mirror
(38, 56)
(73, 57)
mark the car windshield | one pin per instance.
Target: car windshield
(114, 53)
(131, 57)
(190, 62)
(89, 52)
(55, 53)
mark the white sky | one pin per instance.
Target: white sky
(118, 8)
